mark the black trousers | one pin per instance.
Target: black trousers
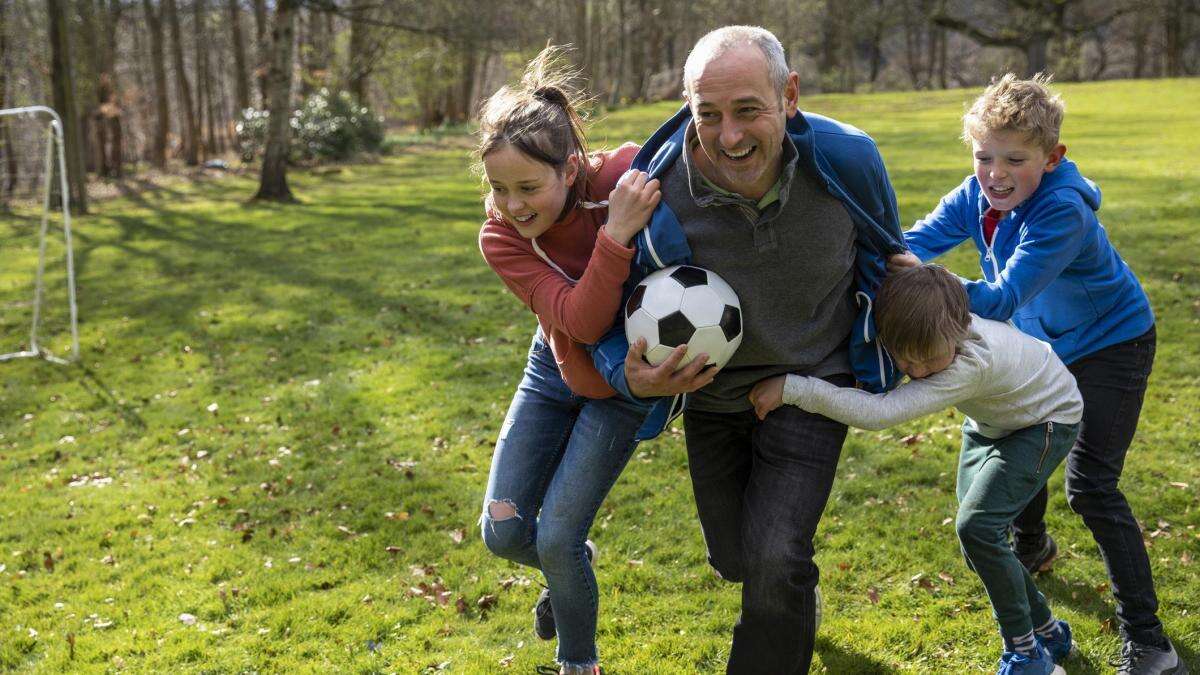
(760, 489)
(1113, 384)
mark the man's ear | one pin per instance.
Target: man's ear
(791, 94)
(1055, 157)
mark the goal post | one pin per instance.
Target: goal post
(19, 157)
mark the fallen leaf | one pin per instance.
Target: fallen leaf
(48, 562)
(460, 605)
(187, 619)
(873, 595)
(486, 602)
(946, 578)
(458, 535)
(393, 549)
(1181, 486)
(912, 439)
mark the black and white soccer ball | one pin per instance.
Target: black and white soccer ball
(685, 305)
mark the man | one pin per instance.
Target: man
(795, 211)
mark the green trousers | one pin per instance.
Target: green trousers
(996, 479)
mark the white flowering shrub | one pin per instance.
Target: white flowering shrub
(327, 126)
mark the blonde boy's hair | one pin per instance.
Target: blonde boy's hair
(922, 312)
(1013, 104)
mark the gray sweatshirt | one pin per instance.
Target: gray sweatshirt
(1001, 379)
(791, 264)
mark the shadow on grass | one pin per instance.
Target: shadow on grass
(92, 383)
(839, 659)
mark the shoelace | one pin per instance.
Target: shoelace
(1131, 653)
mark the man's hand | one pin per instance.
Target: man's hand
(900, 261)
(767, 395)
(646, 381)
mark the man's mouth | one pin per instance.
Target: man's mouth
(1000, 192)
(739, 155)
(525, 219)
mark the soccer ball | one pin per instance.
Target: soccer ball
(685, 305)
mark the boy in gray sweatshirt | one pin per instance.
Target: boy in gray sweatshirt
(1023, 410)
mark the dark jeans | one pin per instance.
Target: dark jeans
(760, 490)
(1113, 384)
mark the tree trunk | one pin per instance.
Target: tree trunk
(158, 60)
(273, 183)
(191, 129)
(7, 156)
(62, 81)
(204, 122)
(622, 48)
(1173, 26)
(1035, 54)
(263, 50)
(359, 62)
(239, 55)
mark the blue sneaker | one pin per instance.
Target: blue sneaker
(1060, 646)
(1016, 663)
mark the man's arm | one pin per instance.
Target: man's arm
(626, 371)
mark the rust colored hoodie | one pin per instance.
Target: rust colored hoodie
(576, 303)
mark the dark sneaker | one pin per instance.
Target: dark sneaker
(1016, 663)
(1036, 557)
(543, 612)
(1140, 659)
(1060, 644)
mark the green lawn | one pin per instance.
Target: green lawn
(321, 516)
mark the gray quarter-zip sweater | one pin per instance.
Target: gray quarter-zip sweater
(1001, 379)
(791, 265)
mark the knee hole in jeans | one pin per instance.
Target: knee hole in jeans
(502, 509)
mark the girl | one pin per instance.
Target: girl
(556, 246)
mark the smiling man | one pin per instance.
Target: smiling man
(795, 211)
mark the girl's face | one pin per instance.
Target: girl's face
(529, 194)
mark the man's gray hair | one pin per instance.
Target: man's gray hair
(717, 42)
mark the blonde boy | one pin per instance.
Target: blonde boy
(1049, 268)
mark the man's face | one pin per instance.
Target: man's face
(1009, 167)
(740, 120)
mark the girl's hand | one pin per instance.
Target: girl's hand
(630, 204)
(767, 395)
(901, 261)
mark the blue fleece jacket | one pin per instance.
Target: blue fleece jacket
(848, 164)
(1050, 267)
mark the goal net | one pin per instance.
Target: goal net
(38, 317)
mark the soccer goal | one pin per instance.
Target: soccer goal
(33, 294)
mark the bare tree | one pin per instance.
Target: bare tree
(191, 129)
(158, 63)
(1031, 25)
(239, 54)
(63, 82)
(273, 182)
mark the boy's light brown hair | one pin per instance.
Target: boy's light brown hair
(1013, 104)
(922, 312)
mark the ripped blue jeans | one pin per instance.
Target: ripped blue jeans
(557, 457)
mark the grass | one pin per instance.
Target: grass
(321, 516)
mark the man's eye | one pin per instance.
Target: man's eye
(497, 190)
(1016, 162)
(528, 190)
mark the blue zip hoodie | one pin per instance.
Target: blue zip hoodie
(1050, 268)
(848, 164)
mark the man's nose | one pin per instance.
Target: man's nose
(731, 133)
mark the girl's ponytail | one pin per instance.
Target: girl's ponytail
(540, 118)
